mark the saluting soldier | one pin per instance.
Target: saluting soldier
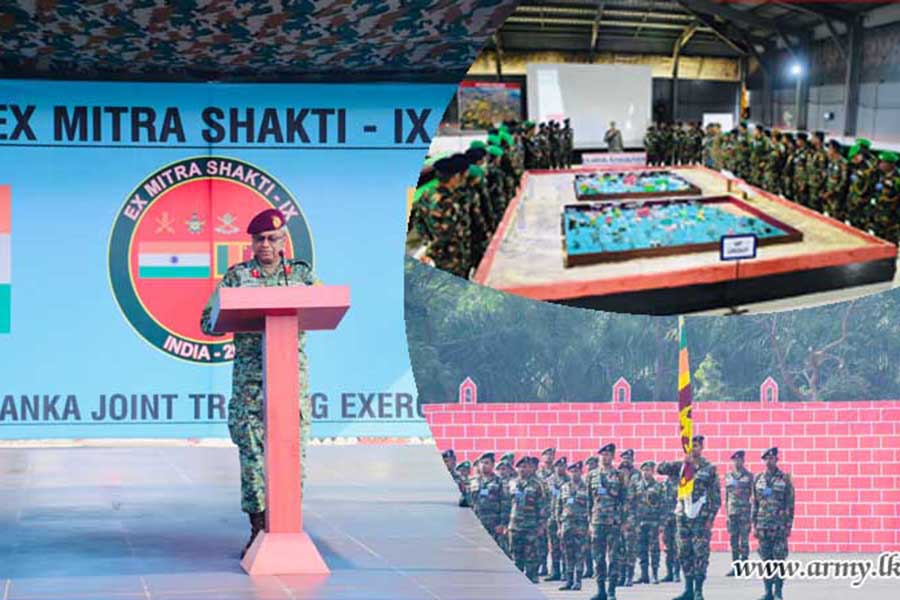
(605, 495)
(246, 427)
(773, 516)
(489, 498)
(650, 495)
(555, 483)
(694, 517)
(527, 517)
(573, 525)
(738, 490)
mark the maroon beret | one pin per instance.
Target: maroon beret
(267, 220)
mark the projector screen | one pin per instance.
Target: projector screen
(592, 96)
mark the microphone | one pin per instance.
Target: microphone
(283, 267)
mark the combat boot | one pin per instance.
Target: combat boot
(555, 574)
(257, 524)
(576, 580)
(542, 569)
(769, 586)
(655, 578)
(629, 576)
(670, 572)
(611, 589)
(688, 593)
(644, 577)
(677, 572)
(601, 590)
(779, 583)
(589, 568)
(568, 585)
(734, 557)
(698, 587)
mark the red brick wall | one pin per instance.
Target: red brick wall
(844, 456)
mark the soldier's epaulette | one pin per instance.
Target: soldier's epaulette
(299, 262)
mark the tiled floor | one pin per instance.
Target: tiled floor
(165, 523)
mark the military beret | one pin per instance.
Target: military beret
(738, 454)
(834, 144)
(459, 163)
(464, 465)
(820, 135)
(506, 137)
(477, 144)
(854, 150)
(493, 139)
(611, 448)
(445, 166)
(648, 463)
(770, 452)
(801, 135)
(529, 124)
(486, 456)
(628, 454)
(267, 220)
(504, 463)
(510, 456)
(449, 453)
(863, 142)
(743, 124)
(475, 171)
(525, 460)
(433, 159)
(425, 188)
(575, 466)
(698, 439)
(495, 150)
(548, 451)
(560, 462)
(592, 460)
(888, 156)
(788, 136)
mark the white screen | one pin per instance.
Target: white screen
(726, 120)
(592, 96)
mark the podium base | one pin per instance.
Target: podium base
(283, 554)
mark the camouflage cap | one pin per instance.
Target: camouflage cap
(771, 452)
(268, 220)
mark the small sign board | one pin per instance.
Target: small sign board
(737, 247)
(617, 159)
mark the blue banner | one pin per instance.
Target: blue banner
(128, 201)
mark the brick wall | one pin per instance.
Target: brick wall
(844, 456)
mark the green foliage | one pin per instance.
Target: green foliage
(519, 350)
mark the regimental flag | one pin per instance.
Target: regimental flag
(230, 253)
(173, 260)
(685, 419)
(5, 258)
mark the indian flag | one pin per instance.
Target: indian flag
(173, 260)
(5, 258)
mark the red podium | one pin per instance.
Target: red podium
(280, 313)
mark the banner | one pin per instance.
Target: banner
(483, 105)
(607, 159)
(121, 207)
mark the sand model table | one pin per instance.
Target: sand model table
(614, 185)
(607, 231)
(527, 258)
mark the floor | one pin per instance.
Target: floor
(156, 523)
(718, 586)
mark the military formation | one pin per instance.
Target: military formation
(593, 519)
(855, 185)
(461, 198)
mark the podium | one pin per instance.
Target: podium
(280, 313)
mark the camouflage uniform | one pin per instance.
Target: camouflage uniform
(862, 178)
(630, 530)
(773, 517)
(543, 476)
(592, 464)
(605, 497)
(650, 500)
(670, 499)
(245, 409)
(694, 533)
(738, 489)
(816, 163)
(836, 188)
(490, 499)
(526, 518)
(885, 202)
(554, 484)
(443, 218)
(573, 524)
(568, 146)
(651, 146)
(799, 182)
(760, 148)
(742, 157)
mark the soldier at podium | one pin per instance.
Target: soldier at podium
(245, 409)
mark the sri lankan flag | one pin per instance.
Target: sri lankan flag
(685, 419)
(230, 253)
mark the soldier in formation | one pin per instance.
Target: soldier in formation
(551, 504)
(859, 189)
(461, 198)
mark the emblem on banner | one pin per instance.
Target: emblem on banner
(162, 274)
